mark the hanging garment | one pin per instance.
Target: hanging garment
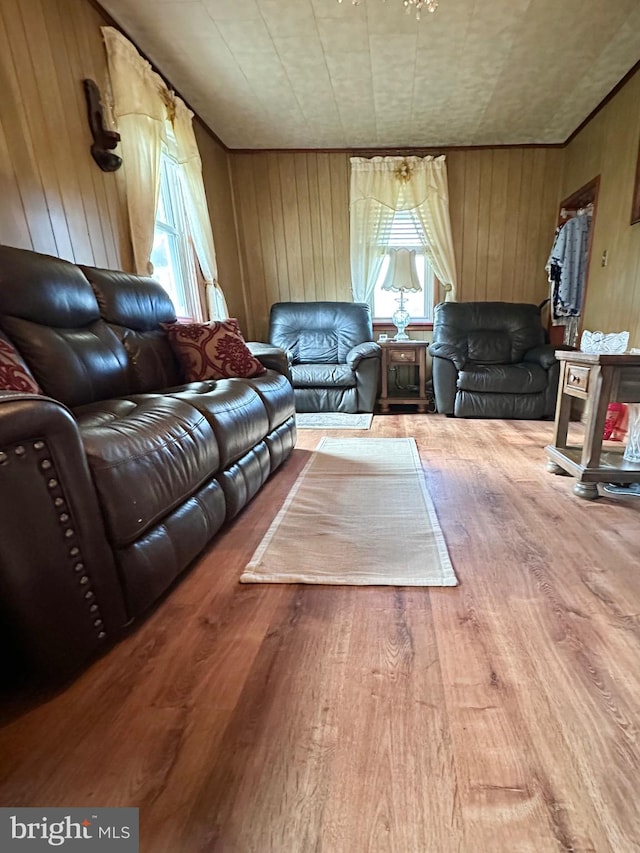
(567, 266)
(554, 273)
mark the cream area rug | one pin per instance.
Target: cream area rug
(332, 420)
(359, 514)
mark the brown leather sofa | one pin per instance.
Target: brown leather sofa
(117, 476)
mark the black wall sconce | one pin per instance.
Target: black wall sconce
(104, 140)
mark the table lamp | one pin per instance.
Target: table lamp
(401, 276)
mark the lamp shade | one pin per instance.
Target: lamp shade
(402, 273)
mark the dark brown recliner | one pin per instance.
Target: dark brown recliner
(491, 360)
(333, 359)
(115, 479)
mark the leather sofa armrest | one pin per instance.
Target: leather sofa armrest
(544, 355)
(448, 351)
(273, 358)
(60, 598)
(367, 349)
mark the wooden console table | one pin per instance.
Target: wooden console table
(599, 380)
(412, 353)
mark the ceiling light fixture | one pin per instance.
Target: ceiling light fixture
(410, 5)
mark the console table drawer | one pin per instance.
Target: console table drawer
(403, 356)
(577, 377)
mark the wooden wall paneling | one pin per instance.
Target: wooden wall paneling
(470, 204)
(326, 227)
(69, 207)
(456, 181)
(250, 245)
(39, 219)
(522, 216)
(233, 226)
(314, 210)
(291, 228)
(112, 197)
(273, 261)
(69, 71)
(13, 224)
(621, 260)
(483, 226)
(302, 199)
(88, 59)
(279, 287)
(502, 201)
(339, 168)
(535, 234)
(222, 212)
(508, 286)
(633, 319)
(55, 126)
(497, 222)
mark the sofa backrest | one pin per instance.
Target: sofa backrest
(319, 332)
(134, 306)
(489, 332)
(49, 312)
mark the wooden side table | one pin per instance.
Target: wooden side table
(412, 353)
(598, 379)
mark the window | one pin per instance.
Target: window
(402, 230)
(172, 255)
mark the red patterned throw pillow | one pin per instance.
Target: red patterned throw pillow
(213, 350)
(14, 373)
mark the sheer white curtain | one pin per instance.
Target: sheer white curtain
(151, 119)
(188, 158)
(427, 195)
(140, 114)
(416, 184)
(371, 191)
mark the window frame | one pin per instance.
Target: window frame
(174, 228)
(405, 222)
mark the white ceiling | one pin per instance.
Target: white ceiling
(317, 74)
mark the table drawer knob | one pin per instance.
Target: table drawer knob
(578, 377)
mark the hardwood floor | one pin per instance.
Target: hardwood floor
(501, 715)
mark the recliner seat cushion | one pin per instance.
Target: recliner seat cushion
(322, 375)
(523, 378)
(274, 390)
(470, 404)
(235, 412)
(146, 457)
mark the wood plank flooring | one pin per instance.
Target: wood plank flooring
(501, 715)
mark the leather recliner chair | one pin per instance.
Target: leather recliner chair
(491, 360)
(333, 359)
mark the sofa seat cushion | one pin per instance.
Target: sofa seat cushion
(234, 411)
(276, 394)
(523, 378)
(322, 375)
(146, 457)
